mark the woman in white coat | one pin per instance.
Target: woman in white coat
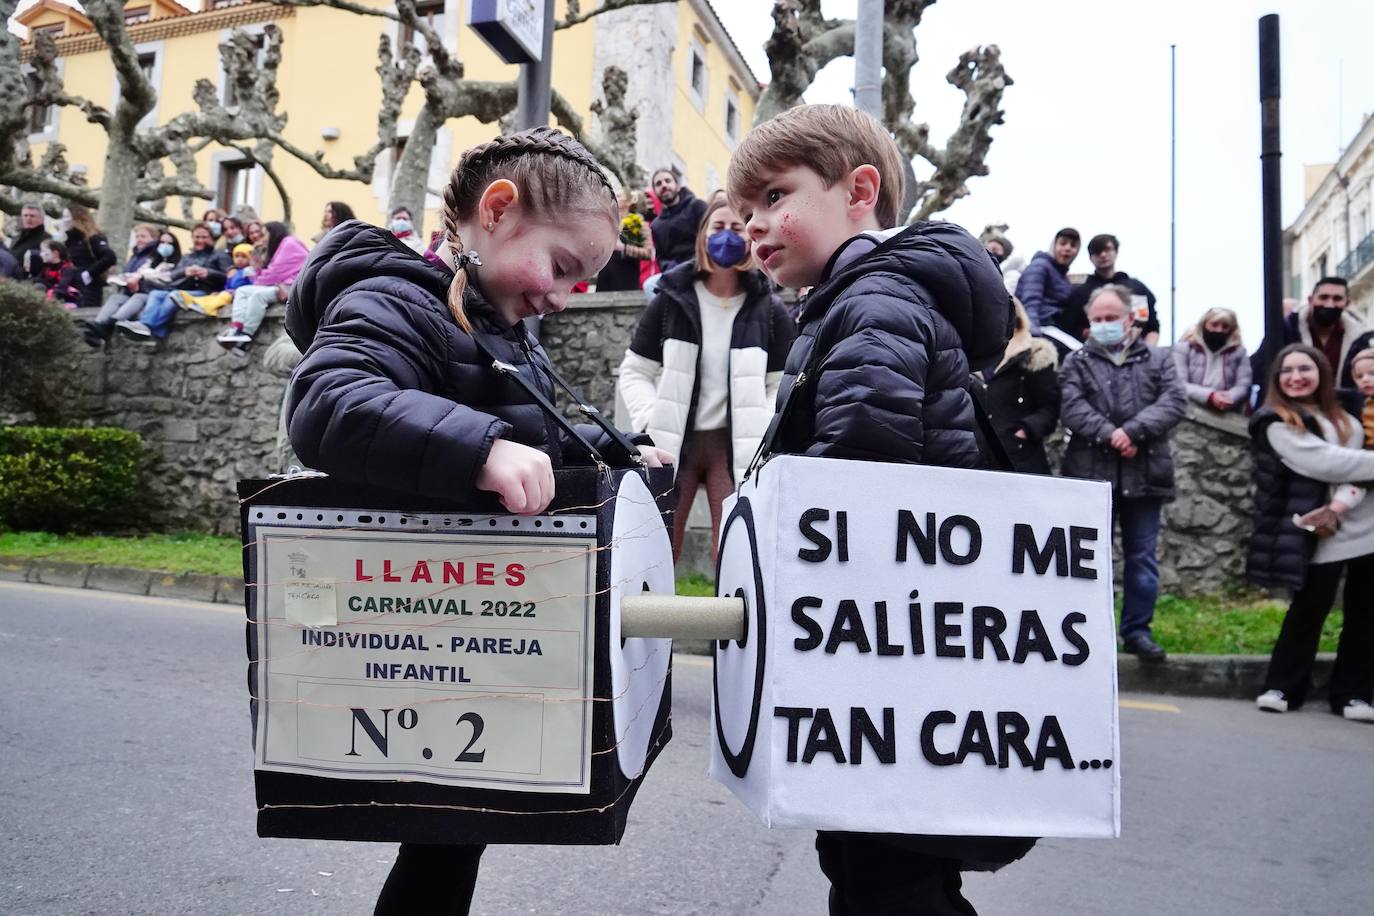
(702, 371)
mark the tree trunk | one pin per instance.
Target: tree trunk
(410, 176)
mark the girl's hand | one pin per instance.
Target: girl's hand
(521, 476)
(655, 457)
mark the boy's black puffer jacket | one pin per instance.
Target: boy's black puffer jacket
(391, 391)
(900, 326)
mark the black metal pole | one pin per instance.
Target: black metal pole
(534, 98)
(1271, 214)
(535, 93)
(1173, 194)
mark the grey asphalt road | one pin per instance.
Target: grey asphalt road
(127, 789)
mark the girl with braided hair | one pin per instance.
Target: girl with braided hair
(397, 387)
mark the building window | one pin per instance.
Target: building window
(698, 74)
(55, 29)
(231, 98)
(432, 13)
(235, 189)
(40, 116)
(731, 118)
(136, 14)
(218, 4)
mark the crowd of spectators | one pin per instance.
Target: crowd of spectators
(703, 367)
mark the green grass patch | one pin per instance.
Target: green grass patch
(175, 553)
(696, 585)
(1228, 624)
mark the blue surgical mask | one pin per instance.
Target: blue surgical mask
(727, 247)
(165, 249)
(1108, 333)
(401, 225)
(216, 227)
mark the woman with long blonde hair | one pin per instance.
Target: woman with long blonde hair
(1212, 362)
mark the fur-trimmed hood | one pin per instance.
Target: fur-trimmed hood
(1030, 354)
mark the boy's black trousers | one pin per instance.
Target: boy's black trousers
(430, 880)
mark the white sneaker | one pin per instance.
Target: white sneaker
(232, 336)
(134, 328)
(1274, 701)
(1358, 711)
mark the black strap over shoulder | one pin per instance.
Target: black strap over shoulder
(624, 453)
(805, 379)
(1001, 461)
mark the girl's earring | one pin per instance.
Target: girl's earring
(490, 226)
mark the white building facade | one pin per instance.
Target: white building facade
(1334, 234)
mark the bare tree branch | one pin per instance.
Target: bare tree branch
(982, 78)
(575, 16)
(803, 41)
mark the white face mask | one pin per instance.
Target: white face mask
(1108, 333)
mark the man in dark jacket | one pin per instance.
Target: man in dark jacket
(675, 229)
(1121, 398)
(25, 244)
(1325, 322)
(1073, 317)
(1044, 285)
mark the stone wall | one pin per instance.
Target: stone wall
(1208, 525)
(209, 420)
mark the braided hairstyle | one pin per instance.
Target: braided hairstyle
(550, 170)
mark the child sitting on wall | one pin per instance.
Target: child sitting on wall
(211, 303)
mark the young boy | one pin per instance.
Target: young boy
(898, 318)
(241, 275)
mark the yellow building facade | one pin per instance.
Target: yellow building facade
(331, 93)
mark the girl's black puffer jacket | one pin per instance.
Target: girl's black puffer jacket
(391, 391)
(1280, 551)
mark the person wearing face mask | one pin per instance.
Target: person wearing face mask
(703, 368)
(152, 274)
(213, 220)
(1212, 362)
(234, 234)
(1121, 399)
(403, 227)
(1324, 322)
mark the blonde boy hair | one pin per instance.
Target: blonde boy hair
(1362, 356)
(832, 141)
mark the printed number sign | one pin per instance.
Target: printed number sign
(429, 674)
(927, 651)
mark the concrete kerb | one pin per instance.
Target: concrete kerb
(1226, 676)
(186, 586)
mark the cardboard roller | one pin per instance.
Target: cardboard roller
(677, 617)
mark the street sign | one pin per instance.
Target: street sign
(514, 29)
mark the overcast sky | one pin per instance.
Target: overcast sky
(1086, 138)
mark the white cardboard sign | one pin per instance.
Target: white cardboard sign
(928, 651)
